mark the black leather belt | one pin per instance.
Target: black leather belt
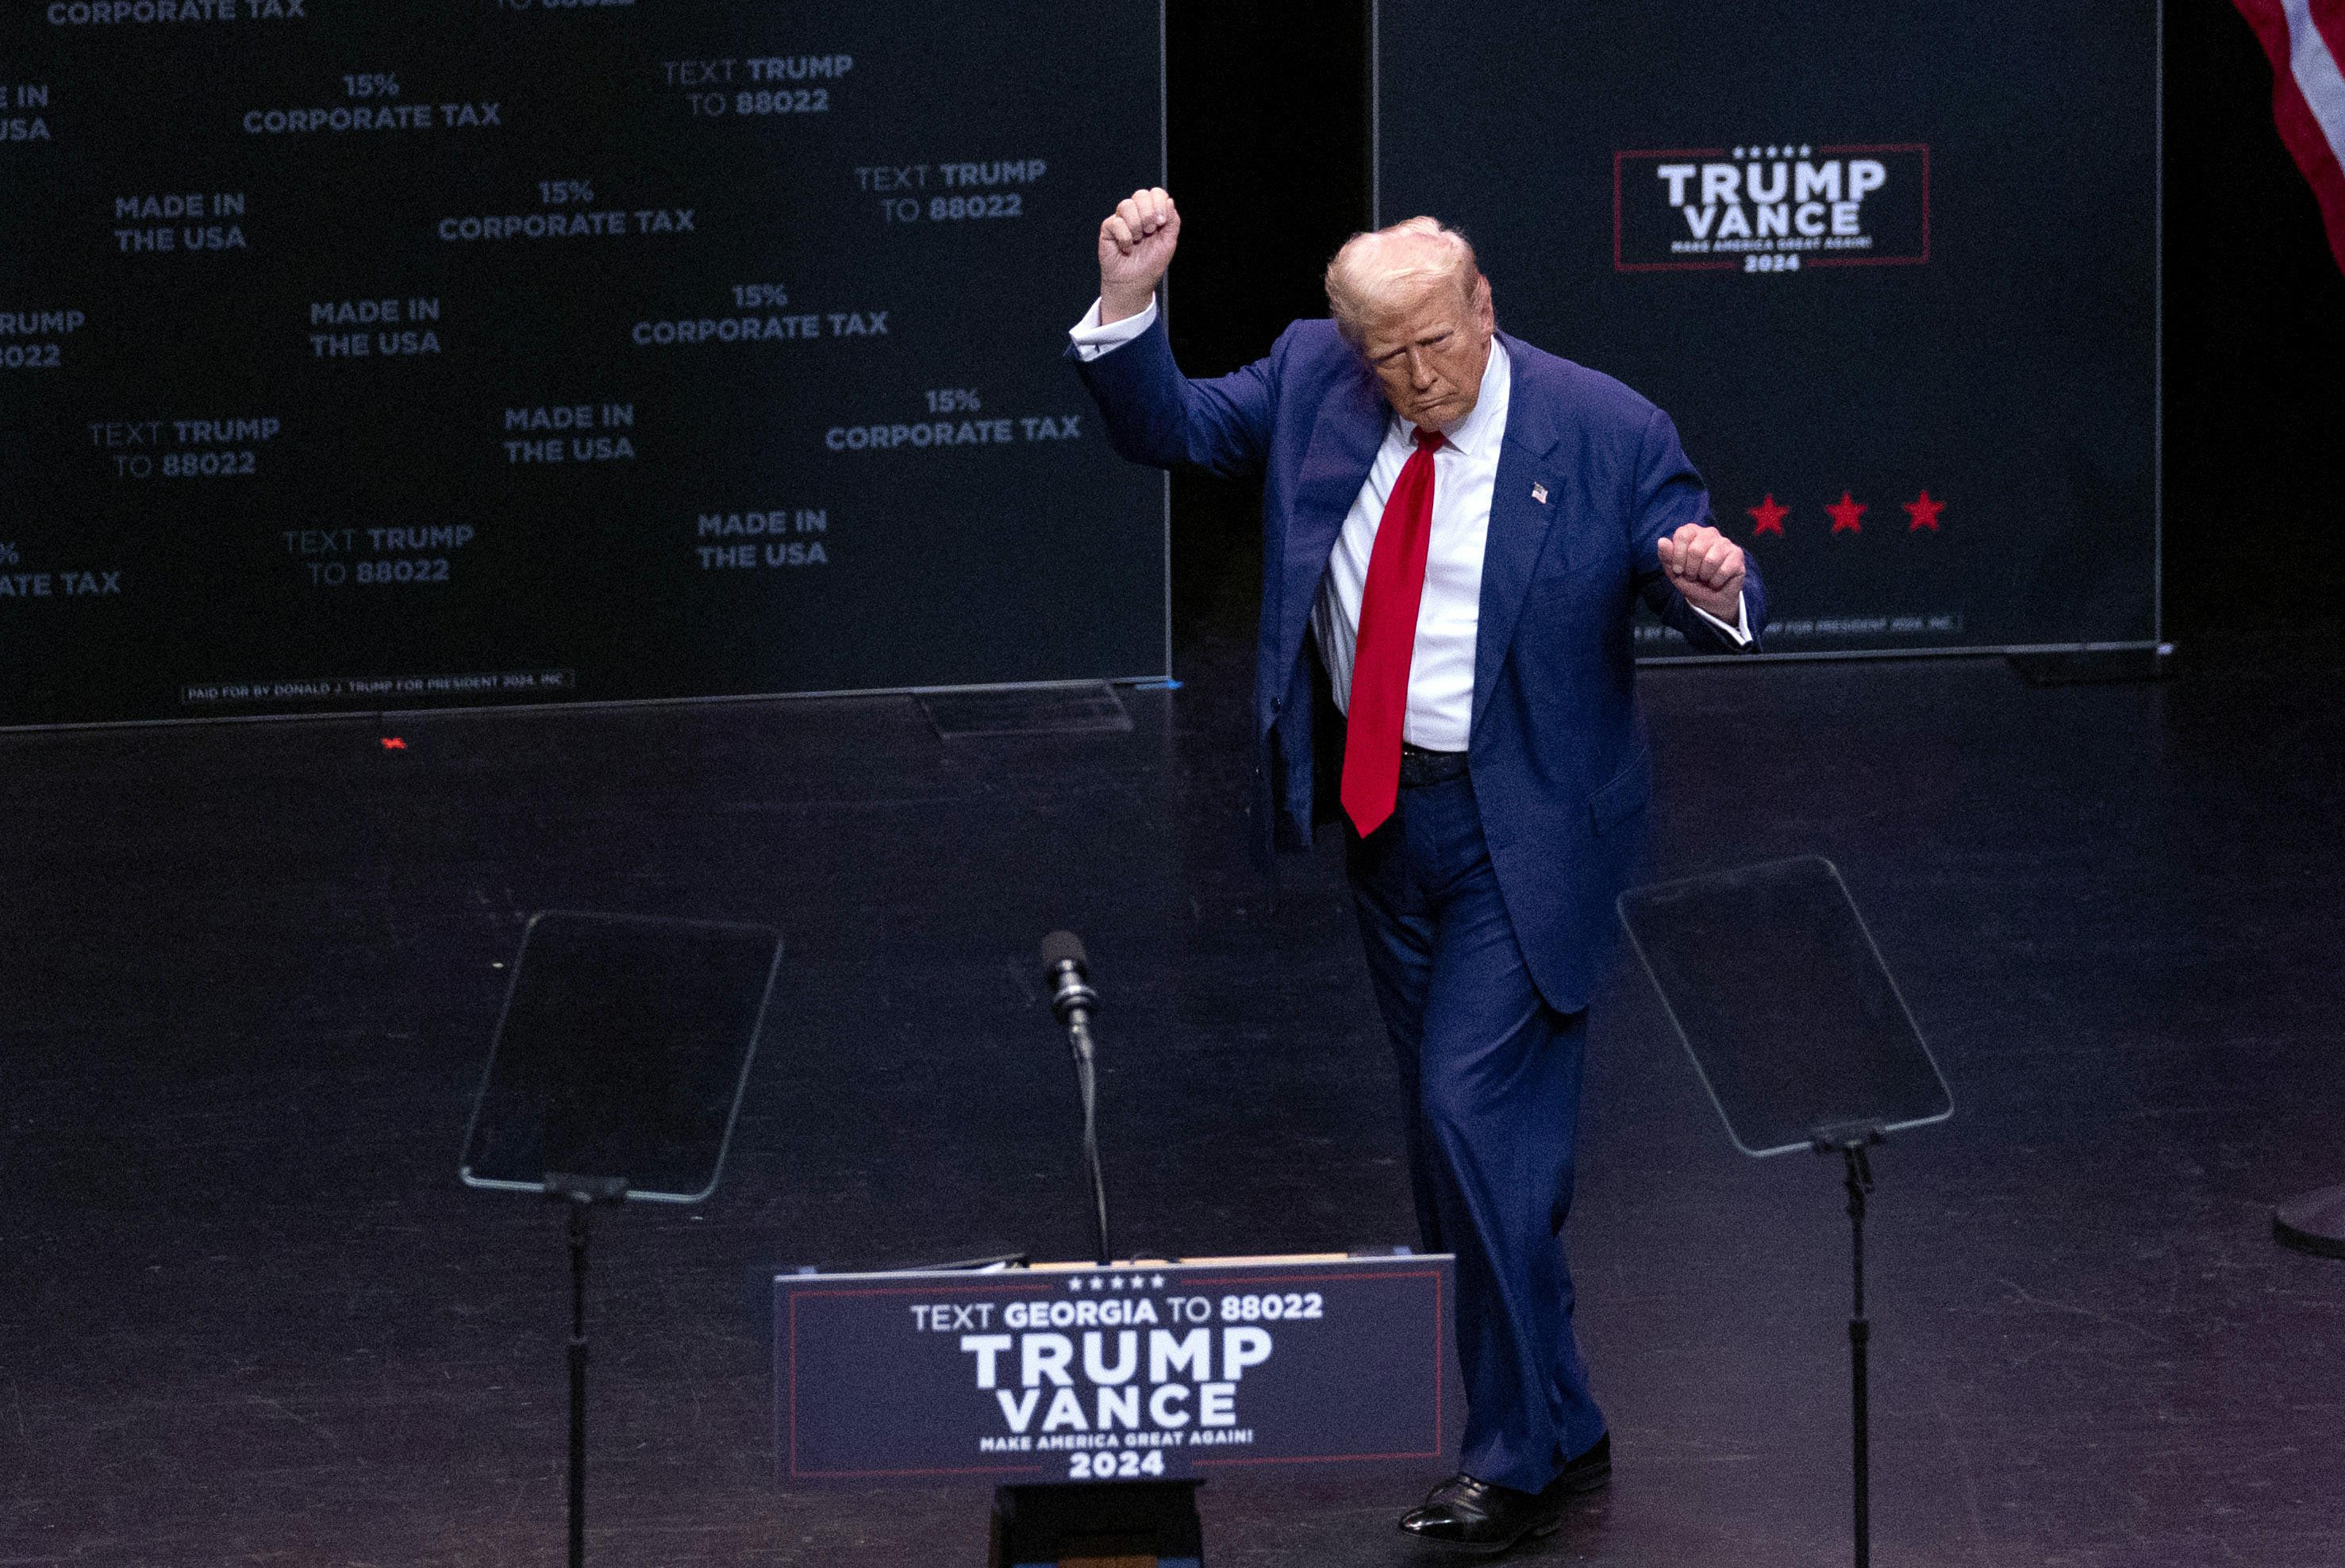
(1419, 767)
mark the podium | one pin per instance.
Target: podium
(1782, 1000)
(616, 1074)
(1096, 1400)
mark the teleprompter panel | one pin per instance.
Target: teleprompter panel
(1780, 998)
(404, 353)
(623, 1052)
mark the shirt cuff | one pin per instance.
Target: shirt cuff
(1740, 631)
(1091, 339)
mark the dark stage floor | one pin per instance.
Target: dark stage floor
(248, 976)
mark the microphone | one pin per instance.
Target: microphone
(1063, 962)
(1072, 1000)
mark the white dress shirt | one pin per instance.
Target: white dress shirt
(1091, 339)
(1464, 472)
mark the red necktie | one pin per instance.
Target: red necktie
(1387, 640)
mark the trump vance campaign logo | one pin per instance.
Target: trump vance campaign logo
(1770, 207)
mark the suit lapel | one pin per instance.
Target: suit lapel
(1521, 521)
(1344, 437)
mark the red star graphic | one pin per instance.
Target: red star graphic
(1924, 513)
(1770, 515)
(1845, 514)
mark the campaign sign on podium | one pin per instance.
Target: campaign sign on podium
(1124, 1373)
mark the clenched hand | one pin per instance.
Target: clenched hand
(1705, 566)
(1136, 247)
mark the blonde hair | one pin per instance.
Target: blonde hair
(1374, 270)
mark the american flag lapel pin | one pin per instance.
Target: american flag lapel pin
(1538, 492)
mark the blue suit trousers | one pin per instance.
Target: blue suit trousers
(1490, 1082)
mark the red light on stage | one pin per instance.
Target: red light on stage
(393, 744)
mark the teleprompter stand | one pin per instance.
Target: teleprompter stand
(580, 1194)
(616, 1075)
(1798, 1033)
(1857, 1180)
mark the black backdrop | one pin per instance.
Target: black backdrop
(1925, 397)
(384, 355)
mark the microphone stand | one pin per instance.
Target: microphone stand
(1032, 1521)
(1073, 1004)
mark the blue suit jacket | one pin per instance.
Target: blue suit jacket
(1560, 766)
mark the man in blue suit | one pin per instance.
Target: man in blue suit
(1456, 528)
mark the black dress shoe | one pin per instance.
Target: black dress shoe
(1477, 1516)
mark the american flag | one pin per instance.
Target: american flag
(2305, 41)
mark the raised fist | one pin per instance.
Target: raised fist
(1136, 247)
